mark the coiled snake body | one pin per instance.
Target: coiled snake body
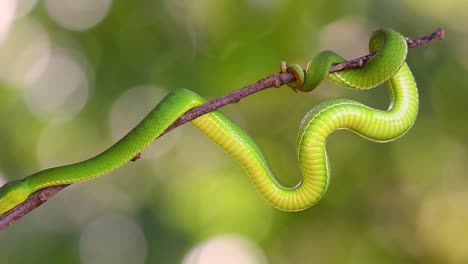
(388, 64)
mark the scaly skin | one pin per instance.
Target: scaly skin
(376, 125)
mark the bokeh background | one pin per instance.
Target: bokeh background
(77, 75)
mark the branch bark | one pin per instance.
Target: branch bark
(273, 80)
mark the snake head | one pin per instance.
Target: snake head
(12, 194)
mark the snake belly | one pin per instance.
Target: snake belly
(377, 125)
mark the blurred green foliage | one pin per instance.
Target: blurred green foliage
(69, 89)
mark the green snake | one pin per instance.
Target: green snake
(388, 64)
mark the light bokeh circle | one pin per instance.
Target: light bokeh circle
(78, 15)
(113, 239)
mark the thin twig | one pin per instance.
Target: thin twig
(412, 43)
(274, 80)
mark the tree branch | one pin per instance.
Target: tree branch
(274, 80)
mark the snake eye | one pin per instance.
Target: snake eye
(12, 194)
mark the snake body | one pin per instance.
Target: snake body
(388, 64)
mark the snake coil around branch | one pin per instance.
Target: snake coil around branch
(385, 63)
